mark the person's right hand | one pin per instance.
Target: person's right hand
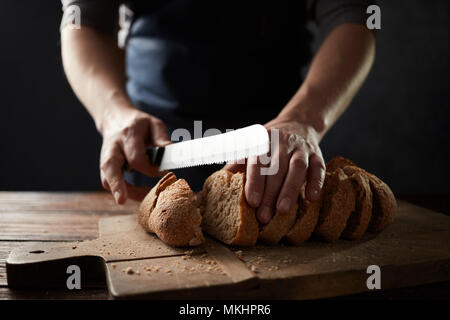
(126, 133)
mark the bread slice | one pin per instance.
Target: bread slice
(384, 204)
(226, 214)
(359, 219)
(338, 204)
(170, 211)
(306, 222)
(277, 228)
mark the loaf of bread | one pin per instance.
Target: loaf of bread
(170, 211)
(352, 202)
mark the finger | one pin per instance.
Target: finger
(316, 177)
(159, 135)
(254, 184)
(274, 181)
(136, 155)
(105, 184)
(292, 185)
(136, 193)
(111, 163)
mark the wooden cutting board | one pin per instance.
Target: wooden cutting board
(414, 250)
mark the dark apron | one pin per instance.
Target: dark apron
(227, 65)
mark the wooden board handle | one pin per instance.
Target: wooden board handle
(45, 265)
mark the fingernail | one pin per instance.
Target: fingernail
(285, 205)
(163, 143)
(117, 196)
(255, 198)
(265, 214)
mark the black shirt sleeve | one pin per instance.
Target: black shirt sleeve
(99, 14)
(328, 14)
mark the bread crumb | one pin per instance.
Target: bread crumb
(113, 266)
(129, 270)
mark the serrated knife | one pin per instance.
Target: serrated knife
(230, 146)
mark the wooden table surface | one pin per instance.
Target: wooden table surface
(33, 217)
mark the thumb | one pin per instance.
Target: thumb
(159, 133)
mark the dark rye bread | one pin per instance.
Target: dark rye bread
(306, 222)
(226, 213)
(338, 204)
(384, 204)
(359, 219)
(169, 210)
(278, 226)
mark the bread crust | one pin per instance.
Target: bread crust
(384, 204)
(306, 222)
(338, 204)
(279, 226)
(359, 220)
(170, 211)
(338, 162)
(149, 202)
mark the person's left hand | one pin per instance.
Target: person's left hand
(296, 159)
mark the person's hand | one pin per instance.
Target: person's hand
(297, 159)
(126, 133)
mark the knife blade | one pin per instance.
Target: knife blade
(230, 146)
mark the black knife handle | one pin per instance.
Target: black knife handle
(155, 155)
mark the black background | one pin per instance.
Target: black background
(398, 126)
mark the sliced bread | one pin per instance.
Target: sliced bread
(384, 204)
(359, 219)
(226, 213)
(338, 204)
(279, 226)
(306, 222)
